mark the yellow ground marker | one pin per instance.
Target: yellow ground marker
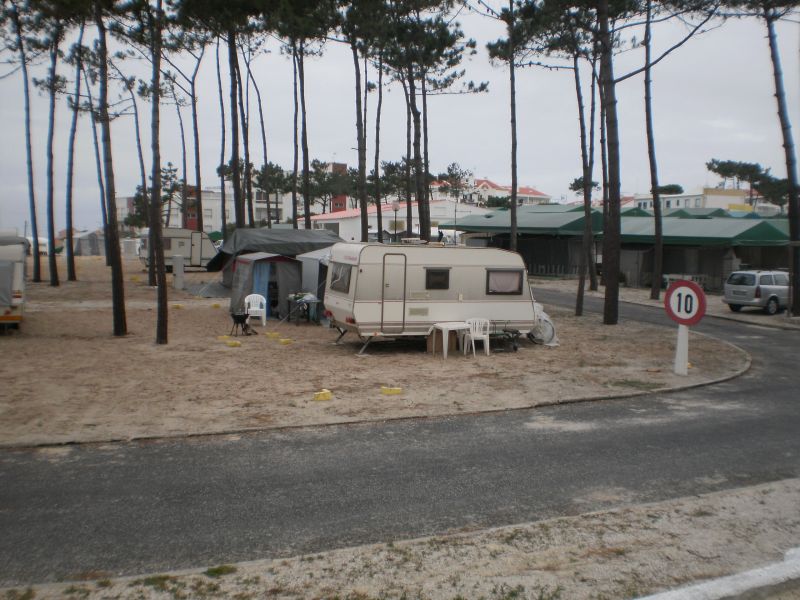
(285, 341)
(177, 306)
(323, 394)
(215, 305)
(273, 335)
(391, 391)
(233, 344)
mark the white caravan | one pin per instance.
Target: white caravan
(195, 247)
(380, 290)
(12, 280)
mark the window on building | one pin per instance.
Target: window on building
(167, 243)
(437, 279)
(698, 202)
(207, 214)
(668, 204)
(340, 277)
(504, 281)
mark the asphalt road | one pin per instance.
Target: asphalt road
(118, 509)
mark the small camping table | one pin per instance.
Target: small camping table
(446, 327)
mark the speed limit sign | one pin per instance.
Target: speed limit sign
(685, 302)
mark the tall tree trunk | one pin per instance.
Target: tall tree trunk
(587, 192)
(155, 225)
(296, 149)
(23, 60)
(263, 142)
(590, 256)
(658, 248)
(184, 207)
(233, 66)
(378, 148)
(198, 198)
(304, 136)
(112, 230)
(409, 214)
(791, 163)
(222, 150)
(424, 228)
(426, 205)
(99, 167)
(51, 118)
(73, 129)
(611, 228)
(244, 118)
(512, 242)
(361, 190)
(151, 261)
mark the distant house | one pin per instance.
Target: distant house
(483, 189)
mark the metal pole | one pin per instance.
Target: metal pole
(682, 351)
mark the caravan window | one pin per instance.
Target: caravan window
(340, 277)
(504, 281)
(167, 243)
(437, 279)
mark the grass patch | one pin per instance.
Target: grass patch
(636, 384)
(28, 594)
(220, 571)
(157, 582)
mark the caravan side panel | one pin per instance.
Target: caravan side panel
(439, 284)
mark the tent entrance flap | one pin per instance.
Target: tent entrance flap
(261, 276)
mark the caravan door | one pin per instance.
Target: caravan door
(197, 249)
(393, 294)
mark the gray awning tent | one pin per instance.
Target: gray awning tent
(285, 242)
(271, 275)
(89, 243)
(315, 271)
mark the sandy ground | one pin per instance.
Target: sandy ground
(67, 379)
(610, 555)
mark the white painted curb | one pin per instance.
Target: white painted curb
(734, 586)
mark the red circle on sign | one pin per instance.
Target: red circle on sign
(689, 317)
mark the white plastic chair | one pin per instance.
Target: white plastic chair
(478, 330)
(255, 305)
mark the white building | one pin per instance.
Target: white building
(483, 189)
(347, 223)
(738, 200)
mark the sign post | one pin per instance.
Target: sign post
(685, 303)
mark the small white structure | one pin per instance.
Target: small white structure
(380, 290)
(13, 250)
(195, 247)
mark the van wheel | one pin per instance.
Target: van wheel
(735, 307)
(772, 306)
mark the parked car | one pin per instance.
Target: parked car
(768, 290)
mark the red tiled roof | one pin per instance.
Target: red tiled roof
(522, 191)
(352, 213)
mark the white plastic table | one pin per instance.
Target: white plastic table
(446, 327)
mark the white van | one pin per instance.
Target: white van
(13, 251)
(195, 247)
(380, 290)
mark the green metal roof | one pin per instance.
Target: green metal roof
(696, 213)
(568, 222)
(635, 211)
(704, 232)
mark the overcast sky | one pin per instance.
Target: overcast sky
(713, 98)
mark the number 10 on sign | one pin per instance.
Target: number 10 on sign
(685, 304)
